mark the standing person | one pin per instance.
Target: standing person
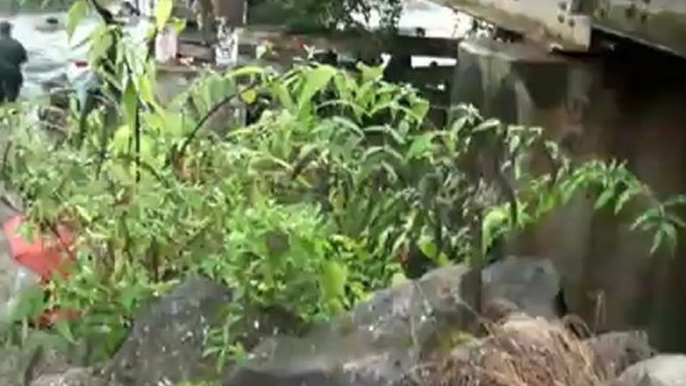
(12, 56)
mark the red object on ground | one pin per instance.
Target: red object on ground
(46, 255)
(52, 316)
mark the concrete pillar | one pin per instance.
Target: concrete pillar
(604, 107)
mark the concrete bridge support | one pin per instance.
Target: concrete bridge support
(627, 105)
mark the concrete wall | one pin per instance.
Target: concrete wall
(629, 106)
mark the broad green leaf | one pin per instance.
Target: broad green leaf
(657, 241)
(567, 190)
(676, 220)
(671, 236)
(387, 131)
(248, 71)
(641, 220)
(145, 89)
(121, 139)
(604, 198)
(128, 297)
(83, 213)
(428, 248)
(315, 81)
(179, 25)
(64, 329)
(494, 223)
(623, 199)
(224, 86)
(370, 73)
(343, 85)
(397, 279)
(514, 143)
(163, 12)
(76, 13)
(147, 146)
(100, 43)
(420, 108)
(239, 354)
(352, 127)
(491, 124)
(249, 96)
(130, 101)
(27, 231)
(421, 146)
(677, 200)
(283, 96)
(334, 279)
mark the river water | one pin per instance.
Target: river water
(49, 50)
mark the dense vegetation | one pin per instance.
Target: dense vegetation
(324, 199)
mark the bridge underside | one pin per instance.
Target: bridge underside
(568, 24)
(627, 105)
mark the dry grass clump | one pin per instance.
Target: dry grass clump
(519, 352)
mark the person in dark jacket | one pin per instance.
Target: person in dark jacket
(12, 57)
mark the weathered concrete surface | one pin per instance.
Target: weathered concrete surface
(630, 106)
(570, 25)
(659, 23)
(548, 22)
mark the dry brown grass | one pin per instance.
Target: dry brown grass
(519, 352)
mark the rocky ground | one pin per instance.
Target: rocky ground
(428, 331)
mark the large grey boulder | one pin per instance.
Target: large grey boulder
(382, 341)
(530, 283)
(166, 343)
(661, 370)
(377, 343)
